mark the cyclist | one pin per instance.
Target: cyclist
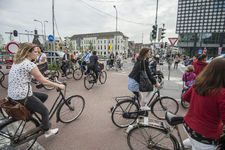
(133, 80)
(120, 58)
(203, 121)
(94, 65)
(41, 60)
(111, 58)
(74, 56)
(153, 65)
(85, 59)
(19, 82)
(66, 60)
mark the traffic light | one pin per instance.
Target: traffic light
(110, 47)
(161, 45)
(15, 33)
(166, 44)
(154, 32)
(161, 34)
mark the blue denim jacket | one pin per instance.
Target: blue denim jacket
(132, 85)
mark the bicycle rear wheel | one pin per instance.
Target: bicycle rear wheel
(4, 80)
(107, 67)
(102, 77)
(71, 109)
(52, 79)
(122, 108)
(162, 105)
(89, 81)
(77, 74)
(184, 104)
(12, 129)
(69, 72)
(148, 137)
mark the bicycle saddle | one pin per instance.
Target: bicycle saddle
(173, 119)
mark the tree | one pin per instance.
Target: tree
(90, 47)
(71, 46)
(47, 47)
(61, 46)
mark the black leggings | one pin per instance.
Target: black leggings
(35, 103)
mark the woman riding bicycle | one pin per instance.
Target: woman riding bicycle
(203, 121)
(20, 76)
(133, 81)
(94, 65)
(41, 60)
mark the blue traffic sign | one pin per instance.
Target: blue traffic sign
(0, 53)
(200, 51)
(50, 38)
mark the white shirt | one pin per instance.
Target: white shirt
(65, 56)
(157, 56)
(19, 77)
(41, 58)
(120, 58)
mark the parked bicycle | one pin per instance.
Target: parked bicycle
(78, 73)
(23, 134)
(90, 79)
(4, 79)
(157, 135)
(121, 114)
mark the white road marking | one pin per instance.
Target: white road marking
(121, 74)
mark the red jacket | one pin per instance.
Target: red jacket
(206, 114)
(199, 66)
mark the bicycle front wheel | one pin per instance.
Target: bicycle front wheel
(89, 81)
(69, 73)
(148, 137)
(12, 133)
(120, 110)
(52, 79)
(107, 67)
(71, 109)
(102, 77)
(184, 104)
(4, 80)
(162, 105)
(77, 74)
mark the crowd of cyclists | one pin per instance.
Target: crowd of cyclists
(205, 82)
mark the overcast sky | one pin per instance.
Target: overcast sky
(87, 16)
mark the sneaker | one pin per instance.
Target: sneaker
(63, 75)
(98, 83)
(53, 132)
(145, 107)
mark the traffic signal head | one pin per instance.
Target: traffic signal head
(154, 31)
(162, 33)
(161, 45)
(15, 33)
(165, 44)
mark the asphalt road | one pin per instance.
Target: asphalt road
(94, 130)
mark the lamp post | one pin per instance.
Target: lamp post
(41, 24)
(116, 30)
(45, 30)
(28, 34)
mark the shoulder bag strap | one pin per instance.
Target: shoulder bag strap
(185, 77)
(27, 94)
(39, 57)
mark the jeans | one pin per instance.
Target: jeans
(35, 103)
(64, 65)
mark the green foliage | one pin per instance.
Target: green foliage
(47, 47)
(80, 48)
(90, 47)
(53, 66)
(71, 46)
(184, 52)
(170, 51)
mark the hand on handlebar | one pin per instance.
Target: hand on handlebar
(62, 87)
(158, 85)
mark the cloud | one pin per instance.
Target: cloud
(77, 17)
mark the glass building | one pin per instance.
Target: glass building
(201, 24)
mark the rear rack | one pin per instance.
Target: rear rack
(120, 98)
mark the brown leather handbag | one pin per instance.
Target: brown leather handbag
(17, 111)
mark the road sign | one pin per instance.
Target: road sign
(12, 47)
(173, 41)
(200, 51)
(219, 50)
(50, 38)
(205, 51)
(0, 53)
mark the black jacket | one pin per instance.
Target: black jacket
(153, 66)
(135, 72)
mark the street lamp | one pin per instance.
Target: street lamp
(28, 34)
(45, 30)
(116, 28)
(41, 24)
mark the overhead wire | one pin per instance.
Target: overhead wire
(112, 15)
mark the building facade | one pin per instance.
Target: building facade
(104, 43)
(201, 25)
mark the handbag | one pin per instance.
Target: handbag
(145, 85)
(18, 111)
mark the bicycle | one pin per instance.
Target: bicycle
(90, 79)
(69, 70)
(53, 78)
(78, 73)
(118, 65)
(109, 65)
(24, 134)
(156, 134)
(4, 79)
(184, 104)
(122, 111)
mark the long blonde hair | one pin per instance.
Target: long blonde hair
(22, 52)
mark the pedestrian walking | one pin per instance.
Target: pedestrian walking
(203, 121)
(176, 61)
(200, 64)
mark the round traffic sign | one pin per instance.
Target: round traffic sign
(205, 50)
(12, 47)
(51, 38)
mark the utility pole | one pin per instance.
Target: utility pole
(116, 31)
(156, 22)
(53, 16)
